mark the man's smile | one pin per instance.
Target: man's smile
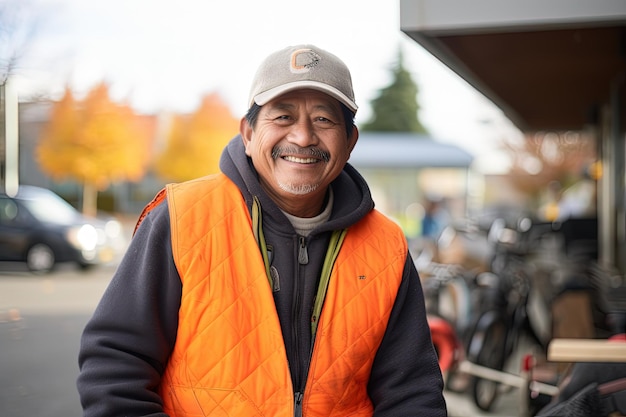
(300, 160)
(300, 155)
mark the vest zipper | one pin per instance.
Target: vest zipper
(298, 404)
(303, 259)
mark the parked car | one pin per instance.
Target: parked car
(40, 228)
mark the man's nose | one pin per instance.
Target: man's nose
(303, 134)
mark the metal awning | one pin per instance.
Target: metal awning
(391, 150)
(547, 65)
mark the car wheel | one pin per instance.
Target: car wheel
(40, 258)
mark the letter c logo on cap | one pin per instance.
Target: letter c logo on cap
(302, 60)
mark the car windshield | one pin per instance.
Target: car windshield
(50, 208)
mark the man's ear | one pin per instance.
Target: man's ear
(352, 140)
(246, 133)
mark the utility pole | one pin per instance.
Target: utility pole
(9, 147)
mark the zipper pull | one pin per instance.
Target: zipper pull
(298, 404)
(303, 254)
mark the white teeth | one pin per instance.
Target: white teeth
(300, 160)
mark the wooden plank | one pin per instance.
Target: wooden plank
(587, 350)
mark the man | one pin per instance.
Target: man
(273, 288)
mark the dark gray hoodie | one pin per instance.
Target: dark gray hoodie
(126, 344)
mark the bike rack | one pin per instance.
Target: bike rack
(559, 350)
(507, 378)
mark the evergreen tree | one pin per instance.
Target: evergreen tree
(396, 108)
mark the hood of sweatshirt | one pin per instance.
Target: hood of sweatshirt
(352, 196)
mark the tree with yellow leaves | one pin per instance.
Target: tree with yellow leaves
(95, 142)
(195, 142)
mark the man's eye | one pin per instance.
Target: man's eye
(324, 120)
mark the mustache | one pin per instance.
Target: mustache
(296, 150)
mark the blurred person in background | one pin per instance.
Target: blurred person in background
(435, 218)
(273, 288)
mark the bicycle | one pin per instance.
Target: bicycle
(503, 295)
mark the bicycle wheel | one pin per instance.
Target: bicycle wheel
(488, 348)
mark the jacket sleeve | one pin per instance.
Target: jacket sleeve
(126, 343)
(406, 379)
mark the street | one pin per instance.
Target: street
(41, 319)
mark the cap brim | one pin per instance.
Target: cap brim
(269, 95)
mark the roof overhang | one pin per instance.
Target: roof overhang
(547, 65)
(393, 150)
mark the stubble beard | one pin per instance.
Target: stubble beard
(298, 189)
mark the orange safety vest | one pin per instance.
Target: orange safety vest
(229, 358)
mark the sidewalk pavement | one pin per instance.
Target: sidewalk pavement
(461, 405)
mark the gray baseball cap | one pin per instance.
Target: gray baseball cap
(298, 67)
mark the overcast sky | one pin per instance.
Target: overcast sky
(165, 55)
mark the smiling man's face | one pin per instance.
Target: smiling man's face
(298, 147)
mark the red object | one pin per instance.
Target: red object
(445, 341)
(528, 363)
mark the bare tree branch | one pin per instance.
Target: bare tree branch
(17, 29)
